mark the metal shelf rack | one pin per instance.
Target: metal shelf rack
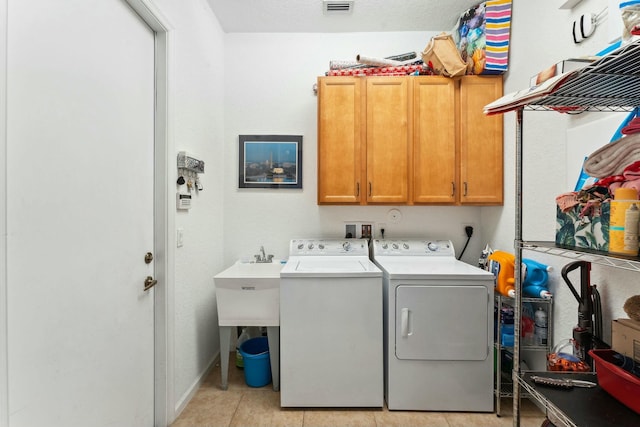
(612, 83)
(503, 383)
(589, 255)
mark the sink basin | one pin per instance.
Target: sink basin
(248, 294)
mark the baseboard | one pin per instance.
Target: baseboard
(193, 389)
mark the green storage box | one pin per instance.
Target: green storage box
(590, 231)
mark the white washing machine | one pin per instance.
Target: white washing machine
(331, 326)
(438, 328)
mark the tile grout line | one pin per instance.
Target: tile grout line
(235, 412)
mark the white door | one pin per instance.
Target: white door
(80, 150)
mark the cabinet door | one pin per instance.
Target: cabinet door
(481, 142)
(388, 143)
(434, 140)
(339, 140)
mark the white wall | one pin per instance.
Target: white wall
(541, 36)
(268, 90)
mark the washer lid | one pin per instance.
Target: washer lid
(330, 266)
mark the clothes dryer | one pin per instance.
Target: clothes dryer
(438, 328)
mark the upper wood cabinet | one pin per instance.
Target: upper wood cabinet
(481, 142)
(435, 136)
(363, 140)
(409, 140)
(457, 149)
(339, 140)
(387, 140)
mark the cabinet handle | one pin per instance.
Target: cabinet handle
(369, 189)
(453, 188)
(465, 189)
(357, 189)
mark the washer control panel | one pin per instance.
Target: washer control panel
(325, 247)
(413, 248)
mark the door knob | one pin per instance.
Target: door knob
(149, 283)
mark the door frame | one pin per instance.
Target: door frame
(4, 332)
(163, 220)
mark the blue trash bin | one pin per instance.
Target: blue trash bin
(257, 366)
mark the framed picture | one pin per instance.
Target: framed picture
(270, 161)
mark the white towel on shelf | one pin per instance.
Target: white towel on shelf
(612, 158)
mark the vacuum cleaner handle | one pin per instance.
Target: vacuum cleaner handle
(584, 278)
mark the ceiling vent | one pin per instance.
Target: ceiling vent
(334, 7)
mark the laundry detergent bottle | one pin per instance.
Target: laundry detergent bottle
(535, 277)
(624, 220)
(502, 265)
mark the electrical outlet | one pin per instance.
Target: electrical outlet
(350, 231)
(464, 229)
(359, 229)
(366, 230)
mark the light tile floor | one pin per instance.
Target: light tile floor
(245, 406)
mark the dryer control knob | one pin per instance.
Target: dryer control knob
(395, 246)
(404, 245)
(346, 246)
(320, 246)
(385, 246)
(433, 246)
(301, 245)
(310, 246)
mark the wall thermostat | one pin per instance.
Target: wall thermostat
(183, 201)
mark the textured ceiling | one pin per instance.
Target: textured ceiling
(307, 16)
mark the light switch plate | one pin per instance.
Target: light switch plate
(180, 237)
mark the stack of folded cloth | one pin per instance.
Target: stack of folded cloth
(613, 158)
(616, 165)
(632, 127)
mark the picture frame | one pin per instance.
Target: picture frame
(270, 161)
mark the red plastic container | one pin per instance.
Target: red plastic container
(622, 385)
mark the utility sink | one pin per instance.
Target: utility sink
(248, 294)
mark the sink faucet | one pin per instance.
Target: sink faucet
(262, 258)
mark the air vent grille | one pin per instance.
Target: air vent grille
(332, 7)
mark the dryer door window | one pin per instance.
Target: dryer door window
(442, 322)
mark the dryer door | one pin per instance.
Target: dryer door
(442, 322)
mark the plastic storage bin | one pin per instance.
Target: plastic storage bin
(507, 335)
(257, 367)
(619, 383)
